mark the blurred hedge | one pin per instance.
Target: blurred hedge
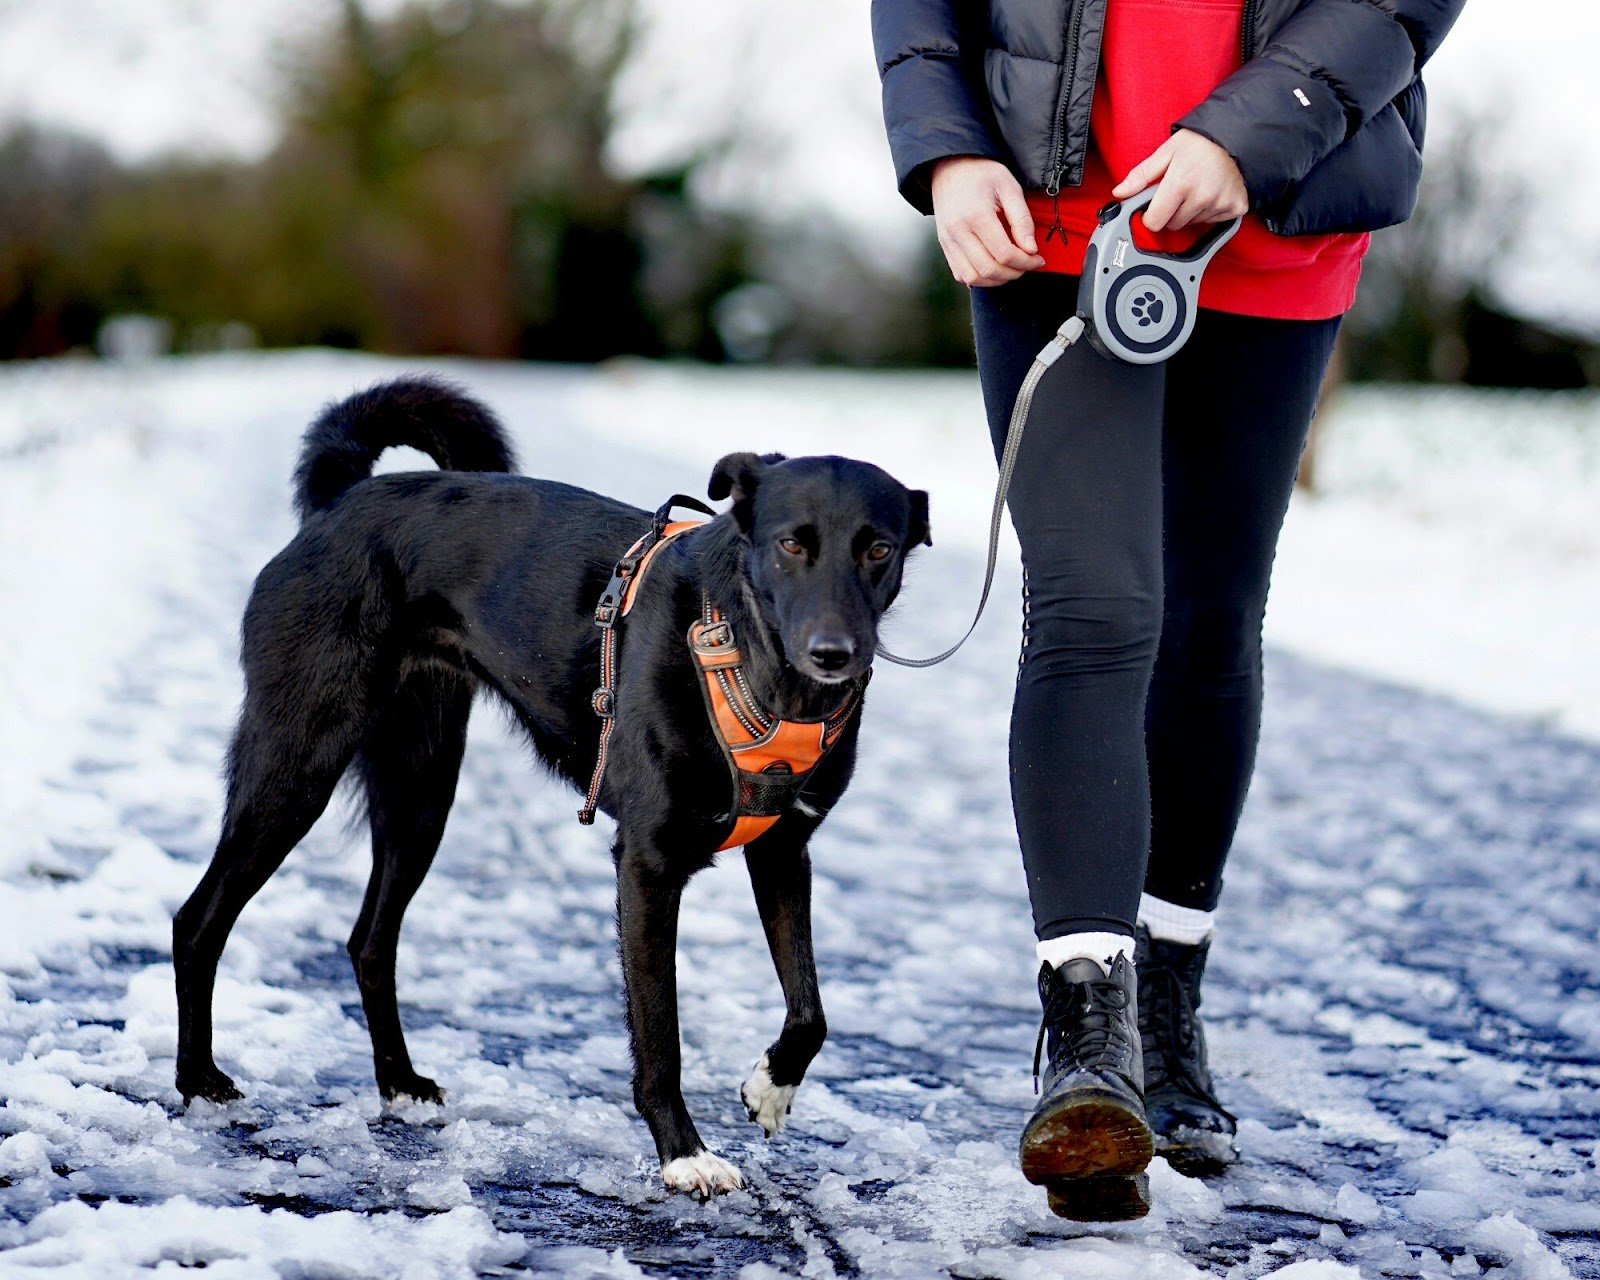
(440, 186)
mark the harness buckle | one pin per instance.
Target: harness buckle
(716, 635)
(604, 703)
(605, 613)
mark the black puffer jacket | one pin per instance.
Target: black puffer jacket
(1324, 119)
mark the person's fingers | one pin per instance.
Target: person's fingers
(1191, 209)
(1014, 205)
(992, 233)
(1150, 169)
(985, 269)
(960, 268)
(1168, 198)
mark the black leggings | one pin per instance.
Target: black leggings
(1148, 501)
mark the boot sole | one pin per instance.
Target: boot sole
(1094, 1136)
(1107, 1199)
(1196, 1152)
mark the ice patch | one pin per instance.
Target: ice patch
(75, 1240)
(1515, 1246)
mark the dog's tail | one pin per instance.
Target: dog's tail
(424, 413)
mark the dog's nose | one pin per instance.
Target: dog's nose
(830, 653)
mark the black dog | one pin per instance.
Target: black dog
(367, 636)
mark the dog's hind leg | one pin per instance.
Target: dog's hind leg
(410, 762)
(780, 873)
(649, 891)
(280, 781)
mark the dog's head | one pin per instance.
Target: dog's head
(828, 541)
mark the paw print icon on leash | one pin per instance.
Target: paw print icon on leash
(1140, 304)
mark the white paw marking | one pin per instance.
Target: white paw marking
(767, 1103)
(703, 1174)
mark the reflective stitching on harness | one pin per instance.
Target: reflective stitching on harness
(726, 685)
(751, 705)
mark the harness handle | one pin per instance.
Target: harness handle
(1069, 333)
(663, 516)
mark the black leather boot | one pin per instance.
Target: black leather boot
(1088, 1140)
(1193, 1130)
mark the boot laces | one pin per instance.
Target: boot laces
(1087, 1012)
(1169, 1017)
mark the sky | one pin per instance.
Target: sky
(797, 87)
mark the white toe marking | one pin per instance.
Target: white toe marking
(767, 1103)
(703, 1174)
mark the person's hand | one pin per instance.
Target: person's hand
(1199, 183)
(984, 225)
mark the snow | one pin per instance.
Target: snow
(1404, 998)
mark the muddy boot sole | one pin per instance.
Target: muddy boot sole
(1105, 1199)
(1086, 1136)
(1197, 1152)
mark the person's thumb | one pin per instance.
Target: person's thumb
(1019, 218)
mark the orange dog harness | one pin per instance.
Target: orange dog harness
(770, 759)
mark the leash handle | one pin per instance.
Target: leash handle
(1068, 334)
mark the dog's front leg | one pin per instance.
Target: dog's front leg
(648, 895)
(780, 872)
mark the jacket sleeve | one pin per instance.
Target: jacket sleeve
(934, 103)
(1327, 71)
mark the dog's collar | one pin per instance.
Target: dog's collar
(770, 759)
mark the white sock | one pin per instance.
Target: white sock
(1172, 923)
(1102, 948)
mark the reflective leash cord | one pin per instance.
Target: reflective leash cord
(1064, 337)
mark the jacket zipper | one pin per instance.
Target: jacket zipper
(1053, 185)
(1245, 25)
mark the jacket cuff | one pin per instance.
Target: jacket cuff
(1275, 121)
(930, 113)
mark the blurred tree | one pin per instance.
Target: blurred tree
(51, 184)
(1420, 279)
(453, 157)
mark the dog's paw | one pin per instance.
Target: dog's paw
(209, 1083)
(768, 1104)
(702, 1174)
(411, 1087)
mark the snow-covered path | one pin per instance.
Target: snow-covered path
(1405, 1003)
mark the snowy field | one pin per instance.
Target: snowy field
(1406, 994)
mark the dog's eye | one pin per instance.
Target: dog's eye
(791, 547)
(880, 551)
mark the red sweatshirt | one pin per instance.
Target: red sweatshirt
(1159, 59)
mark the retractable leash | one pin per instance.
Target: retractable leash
(1137, 306)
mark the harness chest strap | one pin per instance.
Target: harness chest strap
(770, 759)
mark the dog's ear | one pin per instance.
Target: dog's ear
(739, 475)
(920, 531)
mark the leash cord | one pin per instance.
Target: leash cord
(1065, 336)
